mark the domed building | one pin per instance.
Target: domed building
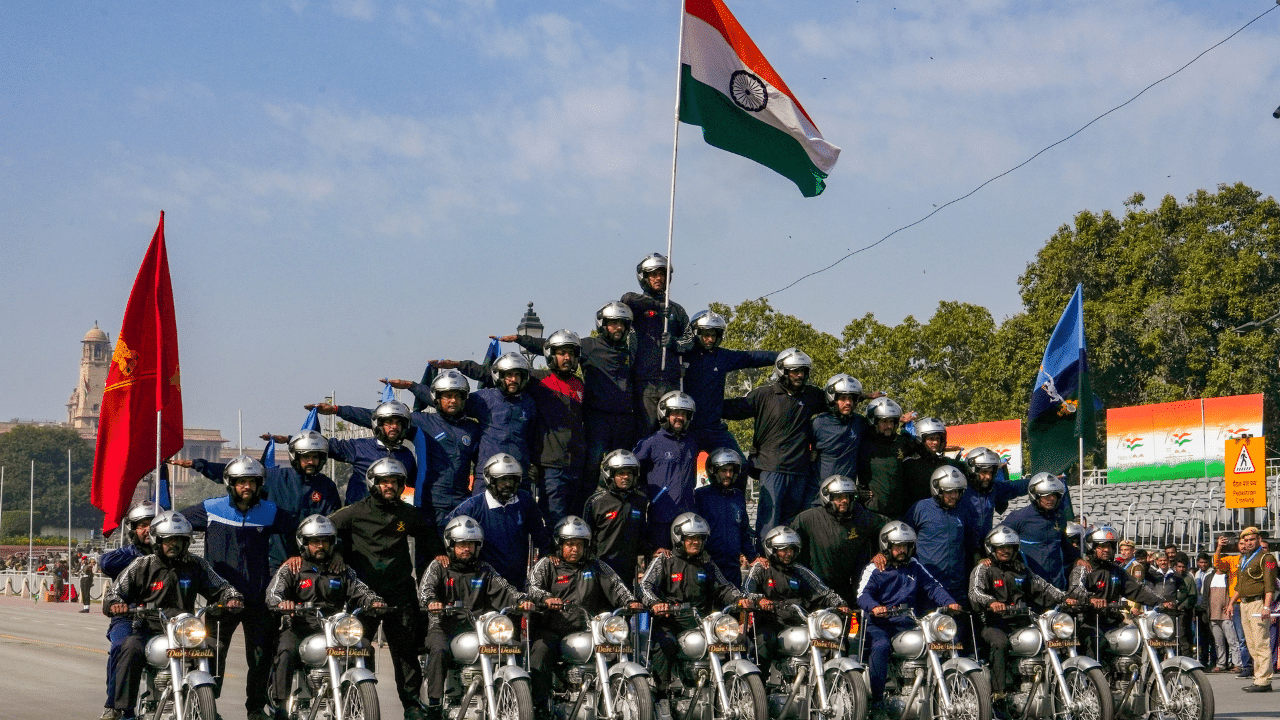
(86, 398)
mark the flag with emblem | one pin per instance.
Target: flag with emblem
(142, 383)
(730, 90)
(1061, 411)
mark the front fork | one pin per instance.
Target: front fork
(176, 672)
(335, 683)
(717, 672)
(936, 666)
(606, 687)
(486, 671)
(1154, 660)
(1056, 662)
(819, 678)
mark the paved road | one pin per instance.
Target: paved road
(53, 660)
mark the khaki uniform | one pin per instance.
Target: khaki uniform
(1254, 581)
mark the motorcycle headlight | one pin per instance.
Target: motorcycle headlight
(1163, 626)
(943, 627)
(725, 628)
(1063, 626)
(829, 625)
(500, 629)
(190, 632)
(615, 630)
(348, 631)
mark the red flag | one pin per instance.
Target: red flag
(143, 379)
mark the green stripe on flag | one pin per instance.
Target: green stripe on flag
(729, 127)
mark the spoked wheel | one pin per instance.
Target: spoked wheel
(1090, 695)
(846, 694)
(360, 701)
(746, 698)
(970, 697)
(1190, 697)
(631, 698)
(199, 704)
(514, 699)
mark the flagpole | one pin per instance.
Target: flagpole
(68, 514)
(240, 428)
(159, 417)
(1080, 513)
(675, 148)
(31, 524)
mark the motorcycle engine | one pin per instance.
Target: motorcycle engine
(574, 675)
(1030, 667)
(791, 667)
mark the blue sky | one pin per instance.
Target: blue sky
(354, 186)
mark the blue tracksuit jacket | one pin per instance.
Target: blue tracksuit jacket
(1044, 543)
(668, 466)
(360, 454)
(838, 441)
(508, 531)
(946, 540)
(506, 423)
(909, 584)
(731, 536)
(237, 544)
(704, 376)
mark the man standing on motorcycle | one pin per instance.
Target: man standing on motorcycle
(779, 584)
(575, 577)
(169, 578)
(903, 581)
(469, 583)
(1100, 581)
(999, 583)
(319, 579)
(686, 575)
(839, 538)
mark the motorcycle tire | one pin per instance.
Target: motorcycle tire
(847, 692)
(1094, 682)
(1189, 688)
(360, 701)
(199, 704)
(740, 688)
(514, 700)
(633, 699)
(968, 690)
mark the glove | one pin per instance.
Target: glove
(667, 341)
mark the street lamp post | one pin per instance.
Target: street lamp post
(530, 325)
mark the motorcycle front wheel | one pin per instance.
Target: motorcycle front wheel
(846, 693)
(1190, 697)
(631, 698)
(514, 699)
(1090, 693)
(746, 695)
(199, 704)
(360, 701)
(970, 697)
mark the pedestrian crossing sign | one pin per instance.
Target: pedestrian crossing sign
(1245, 476)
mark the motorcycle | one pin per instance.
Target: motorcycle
(333, 681)
(485, 680)
(588, 658)
(178, 683)
(818, 681)
(711, 688)
(928, 678)
(1142, 683)
(1045, 684)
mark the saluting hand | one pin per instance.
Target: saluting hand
(504, 338)
(322, 408)
(181, 463)
(398, 384)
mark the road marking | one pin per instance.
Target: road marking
(53, 644)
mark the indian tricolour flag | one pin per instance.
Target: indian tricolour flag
(729, 89)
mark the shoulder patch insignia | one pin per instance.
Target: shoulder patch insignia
(157, 586)
(400, 526)
(304, 584)
(999, 582)
(677, 577)
(315, 496)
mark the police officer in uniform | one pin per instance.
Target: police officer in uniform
(1255, 591)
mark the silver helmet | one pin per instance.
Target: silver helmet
(386, 410)
(686, 525)
(946, 477)
(169, 524)
(449, 381)
(1045, 484)
(571, 527)
(675, 400)
(315, 526)
(563, 338)
(613, 310)
(791, 359)
(145, 510)
(385, 467)
(896, 532)
(709, 321)
(243, 466)
(507, 362)
(778, 538)
(983, 458)
(652, 263)
(1001, 536)
(308, 441)
(1100, 536)
(931, 426)
(842, 384)
(502, 465)
(836, 485)
(883, 408)
(619, 460)
(720, 457)
(463, 528)
(1074, 531)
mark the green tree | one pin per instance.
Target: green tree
(48, 447)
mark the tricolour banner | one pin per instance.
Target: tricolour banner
(1184, 439)
(1002, 436)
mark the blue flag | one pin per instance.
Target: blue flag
(1061, 411)
(388, 393)
(269, 453)
(312, 422)
(166, 500)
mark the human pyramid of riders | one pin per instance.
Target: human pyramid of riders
(870, 545)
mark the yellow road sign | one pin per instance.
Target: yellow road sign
(1246, 473)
